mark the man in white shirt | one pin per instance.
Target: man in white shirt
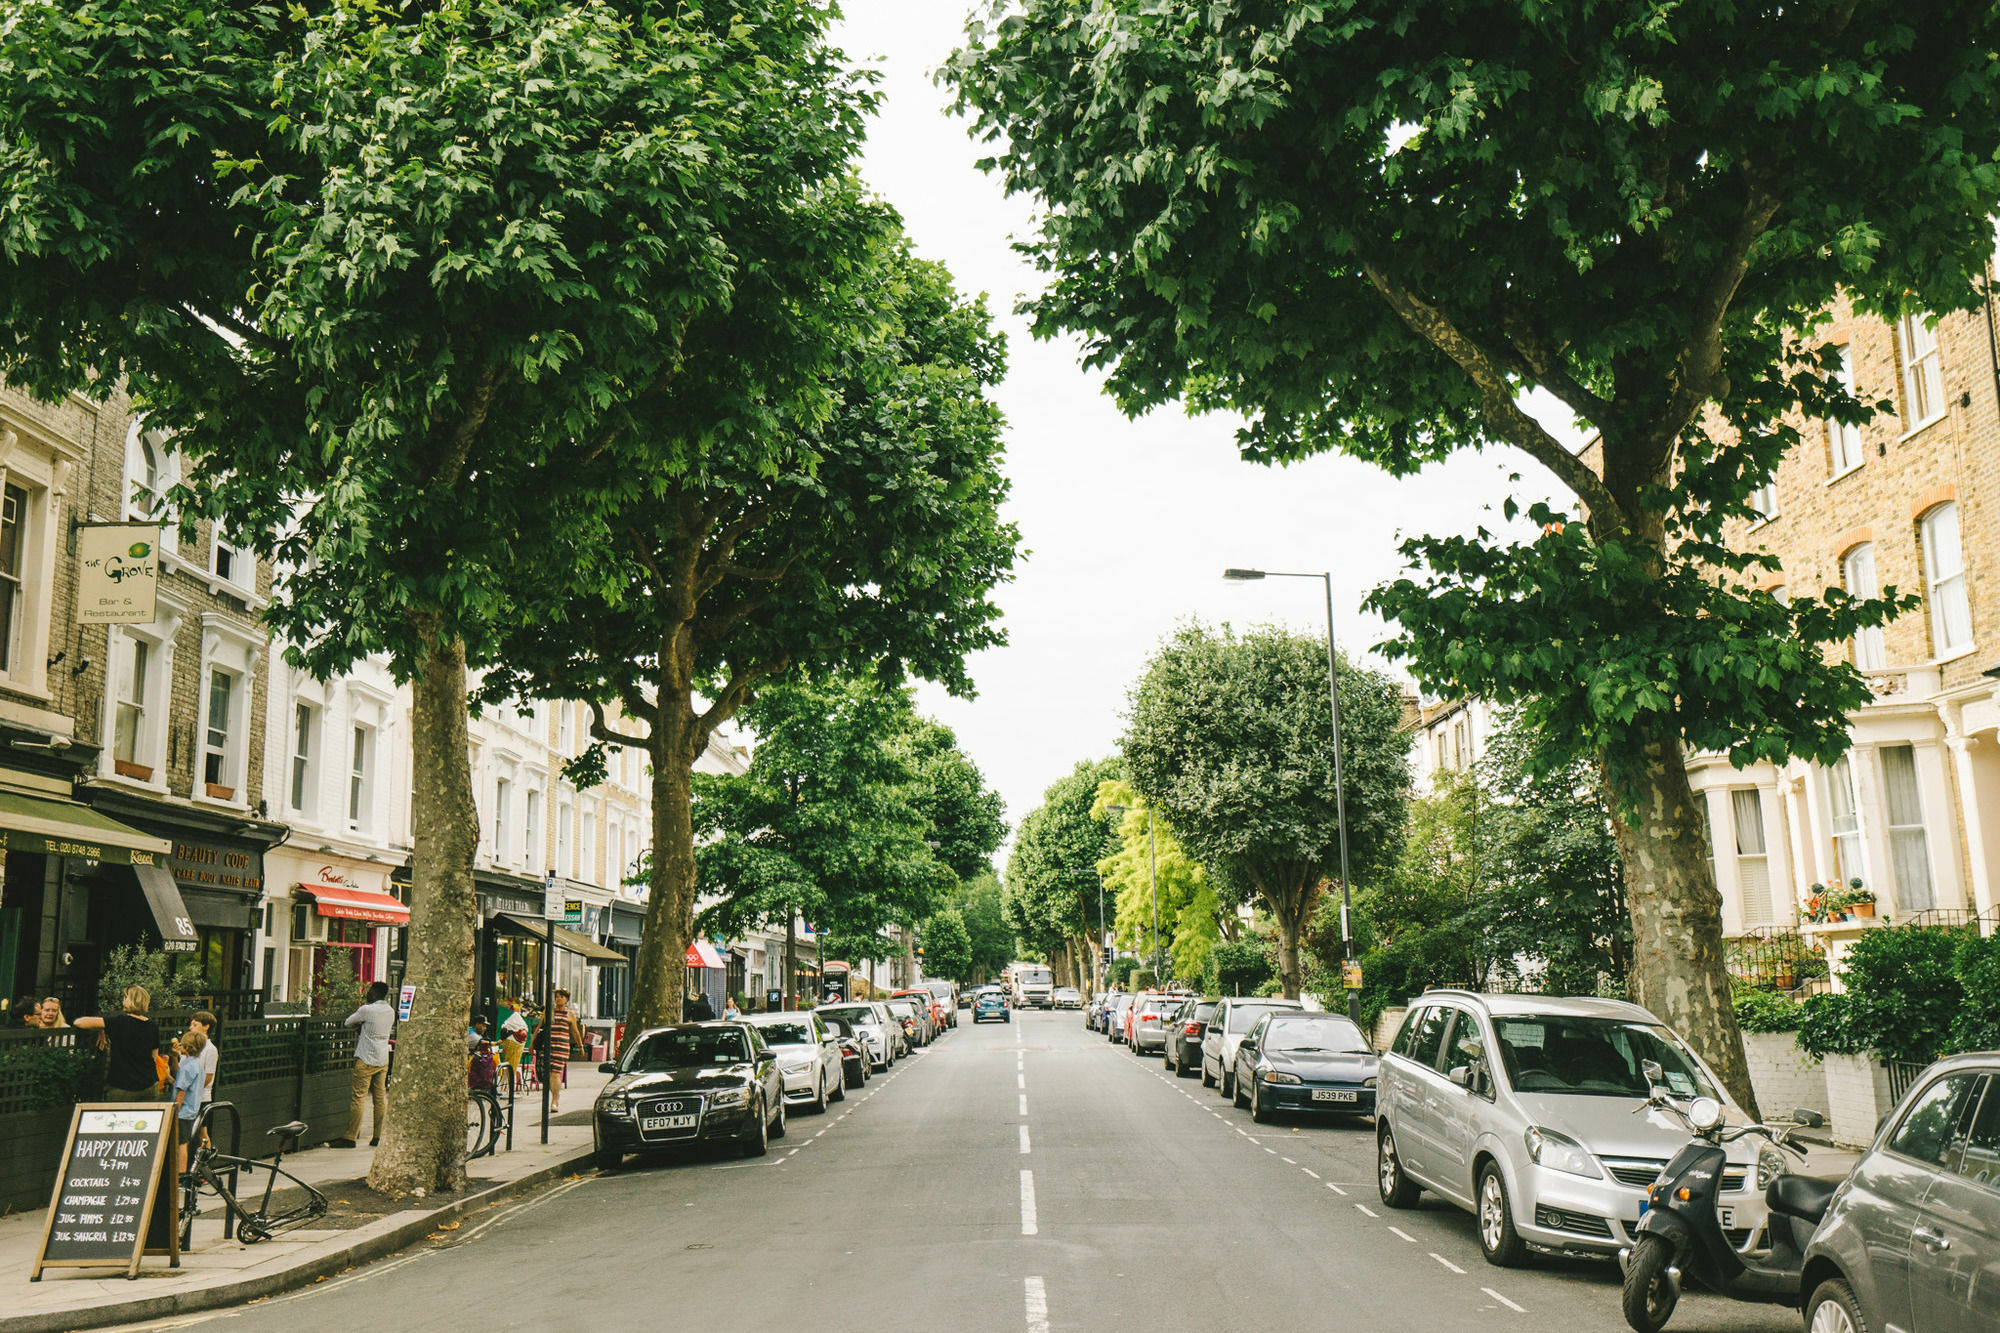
(376, 1020)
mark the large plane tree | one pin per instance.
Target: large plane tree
(1373, 225)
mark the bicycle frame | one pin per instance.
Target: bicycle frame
(209, 1165)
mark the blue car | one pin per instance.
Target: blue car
(990, 1004)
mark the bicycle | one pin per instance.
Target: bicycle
(485, 1122)
(209, 1166)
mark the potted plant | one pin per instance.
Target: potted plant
(1816, 903)
(1809, 966)
(1859, 899)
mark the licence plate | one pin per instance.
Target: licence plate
(1333, 1095)
(658, 1122)
(1727, 1216)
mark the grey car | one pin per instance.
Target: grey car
(1150, 1012)
(808, 1056)
(1114, 1018)
(1532, 1112)
(1232, 1018)
(1911, 1240)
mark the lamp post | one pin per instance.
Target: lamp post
(1152, 881)
(1339, 785)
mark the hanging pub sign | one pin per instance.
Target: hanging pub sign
(119, 573)
(117, 1171)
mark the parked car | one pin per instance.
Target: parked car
(1304, 1061)
(1528, 1110)
(926, 1004)
(915, 1021)
(899, 1034)
(1146, 1020)
(855, 1062)
(1068, 997)
(946, 994)
(808, 1056)
(1093, 1013)
(1912, 1238)
(689, 1083)
(990, 1004)
(1226, 1025)
(871, 1026)
(1114, 1018)
(1183, 1046)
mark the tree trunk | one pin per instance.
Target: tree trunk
(423, 1146)
(1288, 953)
(1677, 964)
(660, 973)
(1096, 948)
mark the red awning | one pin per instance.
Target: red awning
(702, 954)
(357, 904)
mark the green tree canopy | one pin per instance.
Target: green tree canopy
(1149, 857)
(980, 903)
(1371, 225)
(1231, 739)
(947, 947)
(382, 273)
(1052, 885)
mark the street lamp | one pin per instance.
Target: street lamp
(1339, 785)
(1152, 880)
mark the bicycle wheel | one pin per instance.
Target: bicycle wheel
(477, 1126)
(190, 1198)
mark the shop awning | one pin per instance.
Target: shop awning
(357, 904)
(702, 954)
(565, 938)
(170, 914)
(66, 828)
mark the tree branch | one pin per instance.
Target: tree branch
(1497, 406)
(459, 447)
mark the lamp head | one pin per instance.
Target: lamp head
(1242, 575)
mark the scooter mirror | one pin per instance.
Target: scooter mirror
(1809, 1119)
(1653, 1072)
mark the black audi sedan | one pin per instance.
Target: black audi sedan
(1295, 1060)
(691, 1083)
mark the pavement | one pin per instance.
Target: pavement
(220, 1274)
(1014, 1176)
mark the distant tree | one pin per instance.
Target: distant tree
(1241, 967)
(967, 817)
(1190, 914)
(1231, 739)
(980, 904)
(947, 946)
(1051, 884)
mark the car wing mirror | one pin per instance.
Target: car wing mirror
(1461, 1075)
(608, 1067)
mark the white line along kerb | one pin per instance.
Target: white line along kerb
(1027, 1203)
(1038, 1305)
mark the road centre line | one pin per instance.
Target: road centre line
(1024, 1103)
(1404, 1234)
(1020, 1080)
(1024, 1140)
(1036, 1294)
(1447, 1263)
(1309, 1171)
(1336, 1189)
(1503, 1300)
(1365, 1209)
(1027, 1203)
(1288, 1161)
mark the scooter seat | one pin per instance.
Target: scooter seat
(1803, 1197)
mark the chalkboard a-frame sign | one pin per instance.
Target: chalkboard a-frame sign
(117, 1167)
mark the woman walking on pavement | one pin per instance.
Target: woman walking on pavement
(559, 1033)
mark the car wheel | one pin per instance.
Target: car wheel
(1206, 1081)
(1167, 1058)
(839, 1092)
(1649, 1296)
(607, 1159)
(1833, 1309)
(1225, 1084)
(1397, 1190)
(1259, 1112)
(1234, 1088)
(819, 1094)
(756, 1139)
(1498, 1240)
(778, 1125)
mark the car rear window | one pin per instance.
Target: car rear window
(1201, 1013)
(853, 1013)
(1241, 1016)
(788, 1034)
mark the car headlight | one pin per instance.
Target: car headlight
(797, 1067)
(1770, 1165)
(1559, 1152)
(731, 1097)
(1367, 1082)
(1279, 1076)
(616, 1107)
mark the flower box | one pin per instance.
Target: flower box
(125, 768)
(217, 792)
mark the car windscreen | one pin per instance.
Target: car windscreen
(1241, 1016)
(1593, 1057)
(1202, 1012)
(858, 1014)
(902, 1008)
(788, 1034)
(1332, 1036)
(685, 1047)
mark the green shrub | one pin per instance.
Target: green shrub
(130, 965)
(1977, 1026)
(1241, 966)
(1766, 1011)
(1906, 990)
(1143, 979)
(1121, 970)
(1826, 1026)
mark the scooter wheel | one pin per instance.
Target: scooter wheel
(1650, 1296)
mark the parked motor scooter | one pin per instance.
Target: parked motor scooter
(1680, 1235)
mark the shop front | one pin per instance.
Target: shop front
(625, 927)
(510, 964)
(340, 919)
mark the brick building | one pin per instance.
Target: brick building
(1911, 501)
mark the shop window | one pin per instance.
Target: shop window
(305, 750)
(1909, 845)
(1844, 813)
(1858, 573)
(1843, 439)
(1923, 380)
(220, 736)
(13, 563)
(360, 778)
(1753, 861)
(1944, 581)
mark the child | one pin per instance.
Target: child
(190, 1089)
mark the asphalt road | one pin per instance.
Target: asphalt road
(1021, 1176)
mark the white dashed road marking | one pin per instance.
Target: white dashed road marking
(1024, 1140)
(1024, 1103)
(1404, 1234)
(1038, 1305)
(1309, 1171)
(1366, 1211)
(1447, 1263)
(1027, 1203)
(1503, 1300)
(1336, 1189)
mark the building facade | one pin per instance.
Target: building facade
(1909, 501)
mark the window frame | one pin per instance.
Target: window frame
(1838, 432)
(230, 755)
(303, 769)
(1868, 642)
(503, 800)
(363, 747)
(1760, 857)
(1937, 577)
(1906, 896)
(1922, 369)
(1842, 771)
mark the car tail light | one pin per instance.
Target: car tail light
(1147, 1018)
(1192, 1029)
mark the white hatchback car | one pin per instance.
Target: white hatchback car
(809, 1057)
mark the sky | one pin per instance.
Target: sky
(1127, 525)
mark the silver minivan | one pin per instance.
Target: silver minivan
(1912, 1238)
(1531, 1111)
